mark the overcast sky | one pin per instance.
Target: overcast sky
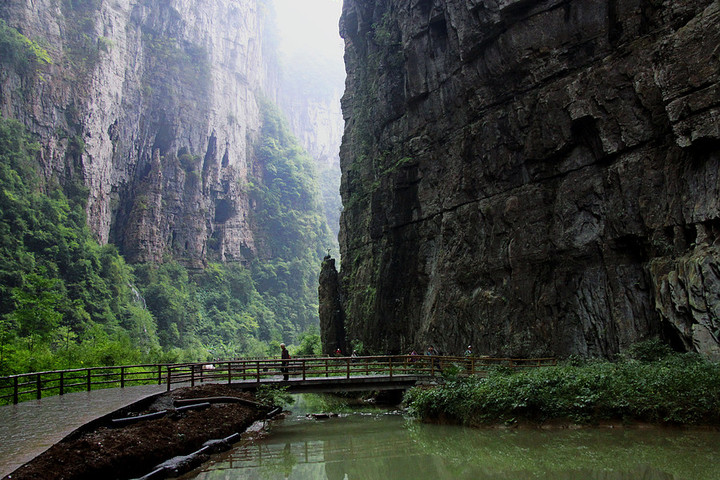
(310, 25)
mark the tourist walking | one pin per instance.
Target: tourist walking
(285, 356)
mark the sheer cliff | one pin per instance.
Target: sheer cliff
(531, 177)
(151, 110)
(310, 90)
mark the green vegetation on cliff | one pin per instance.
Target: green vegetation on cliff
(21, 53)
(293, 234)
(671, 388)
(66, 301)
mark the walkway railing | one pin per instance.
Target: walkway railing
(16, 388)
(26, 386)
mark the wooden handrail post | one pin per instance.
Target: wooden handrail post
(258, 372)
(192, 375)
(159, 374)
(347, 360)
(89, 380)
(326, 368)
(390, 367)
(62, 383)
(122, 377)
(303, 369)
(169, 377)
(15, 390)
(432, 366)
(38, 385)
(230, 373)
(472, 365)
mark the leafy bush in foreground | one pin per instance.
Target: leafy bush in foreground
(676, 389)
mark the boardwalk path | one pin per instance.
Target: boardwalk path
(29, 428)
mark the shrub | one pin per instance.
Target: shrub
(21, 52)
(649, 350)
(273, 395)
(677, 389)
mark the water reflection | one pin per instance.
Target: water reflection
(387, 446)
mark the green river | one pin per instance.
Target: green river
(366, 443)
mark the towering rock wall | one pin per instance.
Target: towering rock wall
(311, 88)
(317, 123)
(532, 177)
(153, 107)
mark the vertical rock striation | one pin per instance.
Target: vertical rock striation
(153, 107)
(534, 178)
(332, 321)
(310, 91)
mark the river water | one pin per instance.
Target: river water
(365, 443)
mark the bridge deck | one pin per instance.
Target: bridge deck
(334, 384)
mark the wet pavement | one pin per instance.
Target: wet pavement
(29, 428)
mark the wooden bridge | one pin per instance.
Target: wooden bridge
(308, 374)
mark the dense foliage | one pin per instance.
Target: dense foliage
(675, 389)
(292, 232)
(24, 55)
(66, 301)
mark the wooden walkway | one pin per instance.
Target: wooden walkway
(29, 428)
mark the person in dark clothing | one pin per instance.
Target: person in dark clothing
(285, 356)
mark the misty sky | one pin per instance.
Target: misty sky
(310, 25)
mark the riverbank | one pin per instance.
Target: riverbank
(134, 449)
(671, 390)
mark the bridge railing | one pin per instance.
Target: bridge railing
(16, 388)
(26, 386)
(323, 367)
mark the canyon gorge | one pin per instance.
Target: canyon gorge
(530, 177)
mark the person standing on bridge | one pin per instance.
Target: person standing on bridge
(285, 356)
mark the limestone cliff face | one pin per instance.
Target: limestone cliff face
(318, 125)
(332, 322)
(153, 106)
(532, 177)
(310, 92)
